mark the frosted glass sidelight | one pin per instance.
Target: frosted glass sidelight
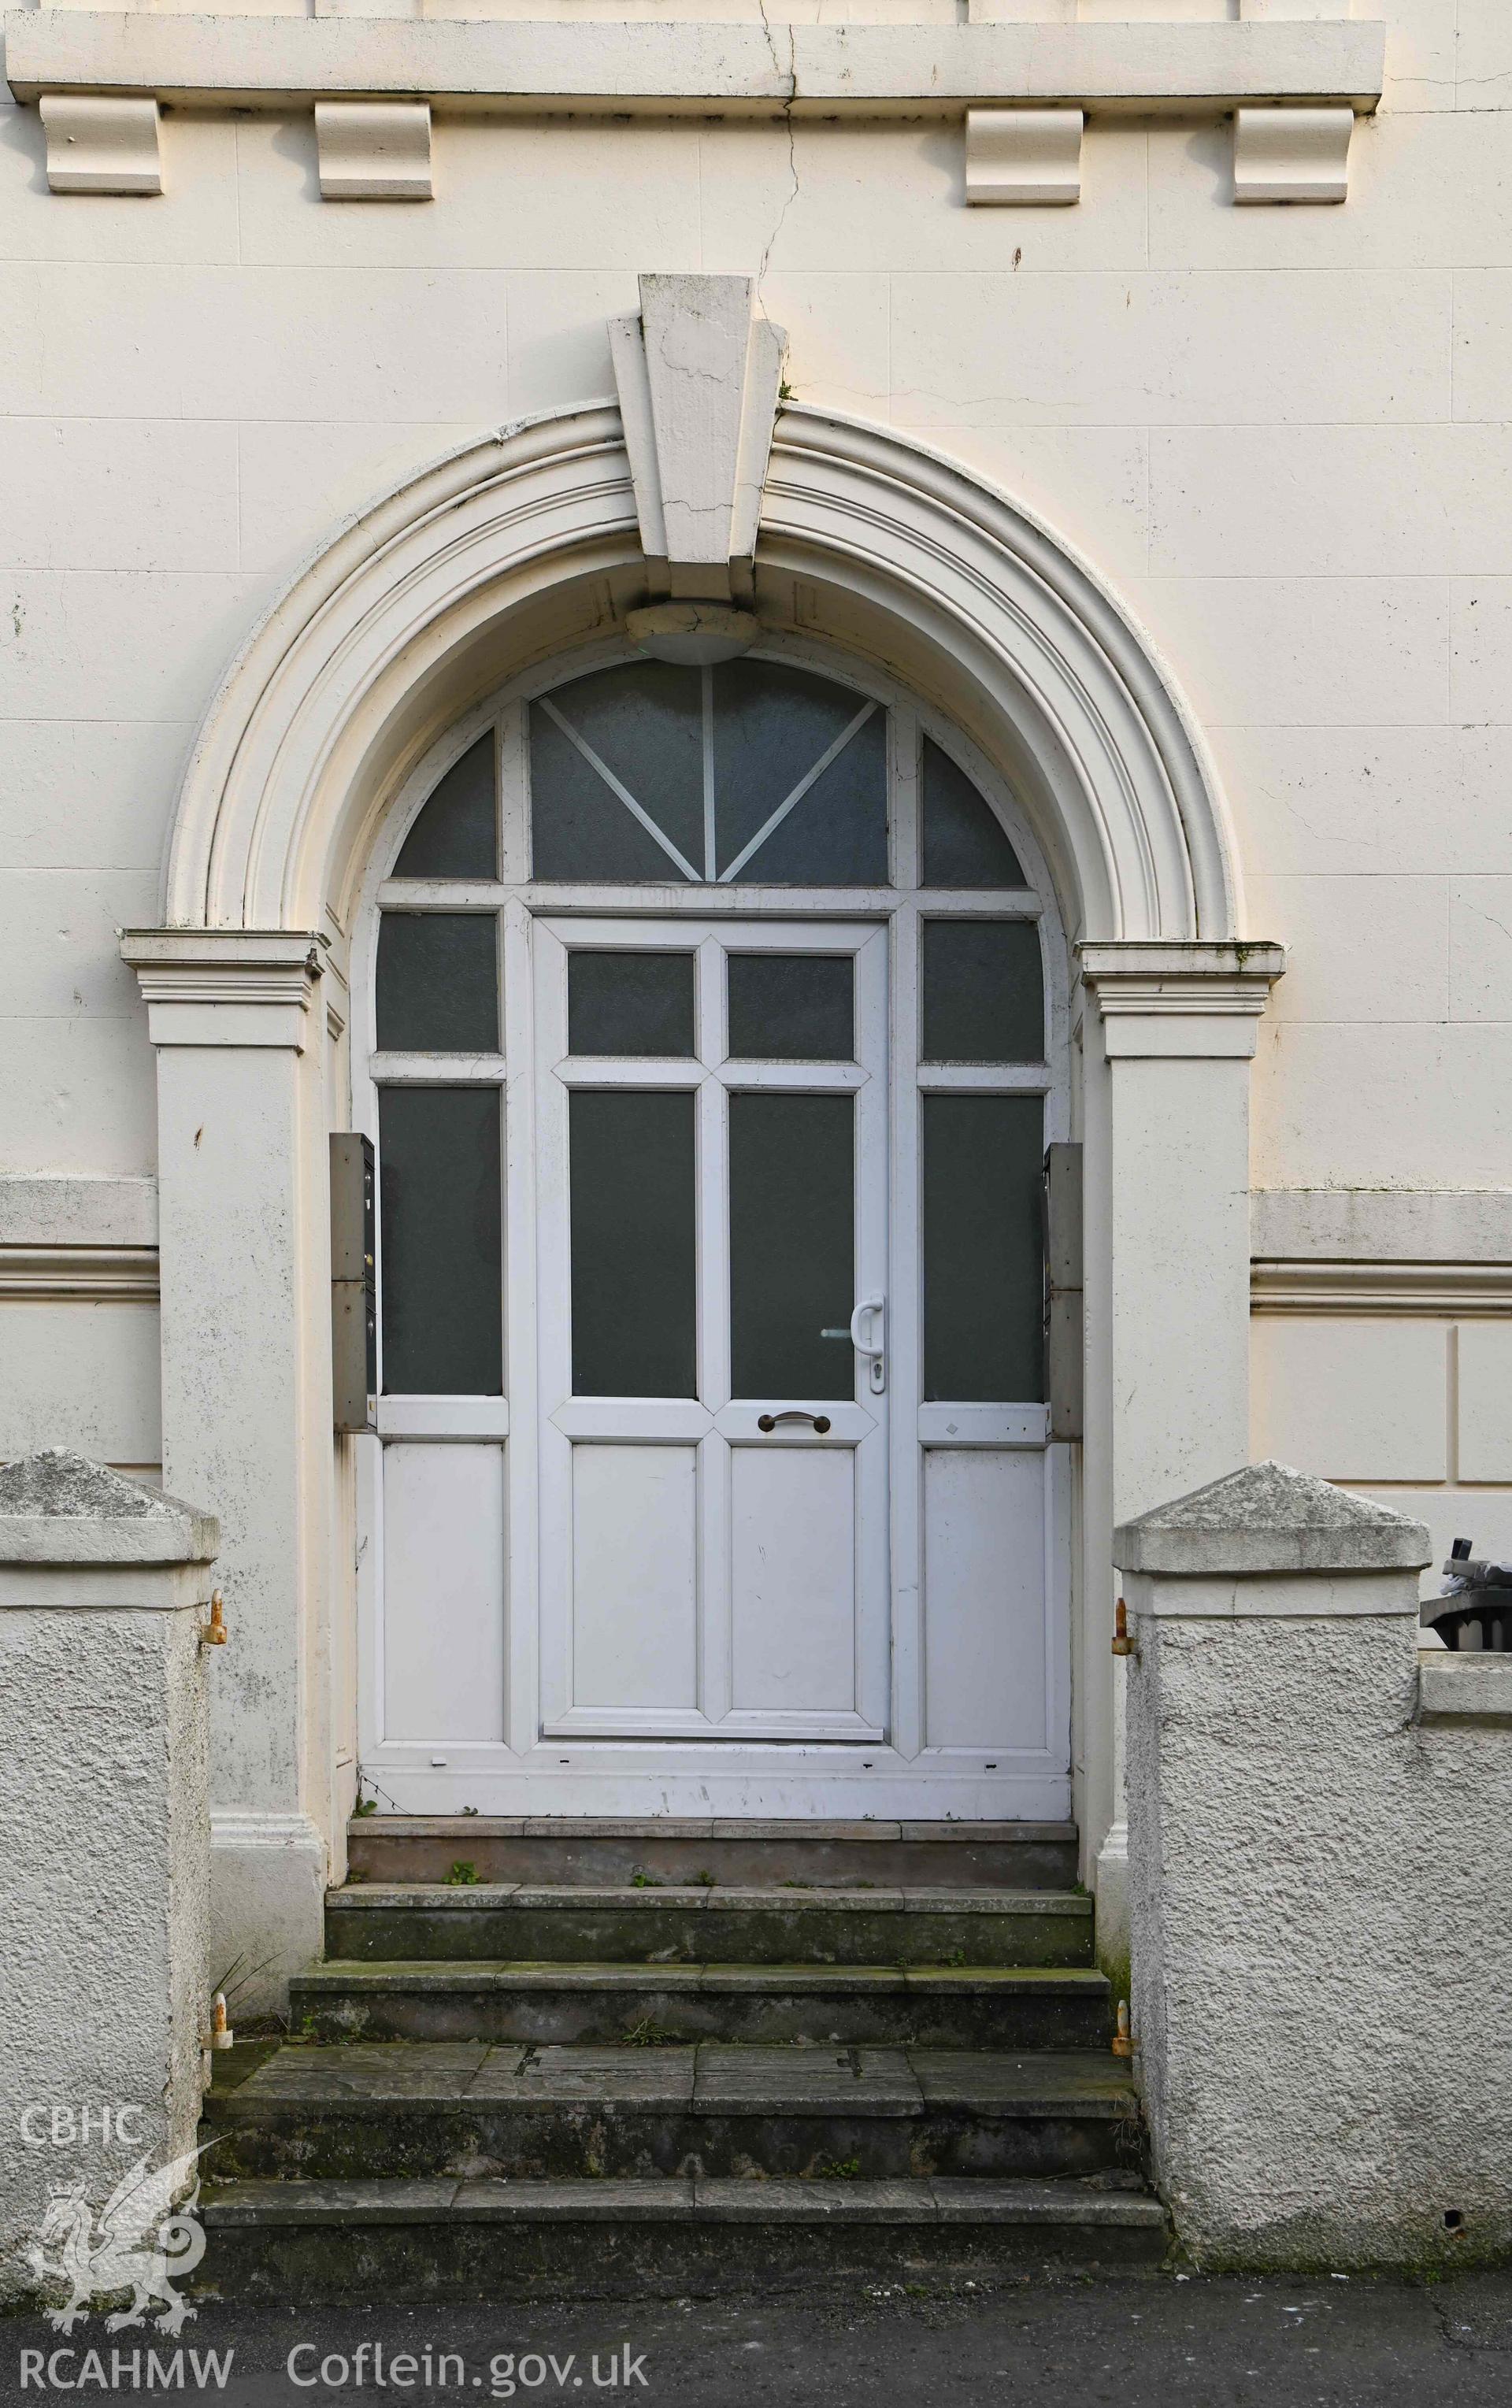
(984, 1282)
(984, 991)
(438, 1194)
(438, 983)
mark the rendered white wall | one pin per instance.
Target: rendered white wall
(104, 1859)
(1279, 430)
(1280, 433)
(1320, 1934)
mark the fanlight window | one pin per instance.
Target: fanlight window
(755, 770)
(752, 770)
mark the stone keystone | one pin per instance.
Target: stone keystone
(1268, 1518)
(699, 374)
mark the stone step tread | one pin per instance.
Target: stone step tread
(713, 2077)
(792, 1831)
(682, 2200)
(425, 1975)
(481, 1896)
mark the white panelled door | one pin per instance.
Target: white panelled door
(715, 1026)
(710, 1224)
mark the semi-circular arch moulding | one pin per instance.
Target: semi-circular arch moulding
(1022, 91)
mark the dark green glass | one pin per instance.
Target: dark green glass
(792, 1008)
(438, 1192)
(984, 991)
(438, 983)
(792, 1245)
(629, 1003)
(644, 720)
(634, 1243)
(456, 832)
(964, 843)
(773, 726)
(983, 1280)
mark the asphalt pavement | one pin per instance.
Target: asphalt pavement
(1152, 2343)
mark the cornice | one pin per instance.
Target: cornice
(79, 1274)
(1179, 999)
(225, 986)
(1426, 1291)
(664, 67)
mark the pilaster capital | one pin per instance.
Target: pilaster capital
(226, 987)
(1172, 999)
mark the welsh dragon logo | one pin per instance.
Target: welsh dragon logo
(148, 2237)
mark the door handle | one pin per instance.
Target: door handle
(873, 1349)
(794, 1414)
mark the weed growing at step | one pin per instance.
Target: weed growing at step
(645, 1881)
(463, 1875)
(648, 2034)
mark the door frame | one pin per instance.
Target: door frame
(900, 1775)
(720, 1427)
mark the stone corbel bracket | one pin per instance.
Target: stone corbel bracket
(374, 149)
(699, 376)
(1025, 157)
(101, 144)
(1291, 154)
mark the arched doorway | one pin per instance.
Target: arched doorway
(526, 546)
(711, 1024)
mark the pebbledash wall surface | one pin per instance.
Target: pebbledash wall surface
(1213, 297)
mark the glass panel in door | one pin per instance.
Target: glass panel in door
(711, 1237)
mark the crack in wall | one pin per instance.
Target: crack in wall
(789, 99)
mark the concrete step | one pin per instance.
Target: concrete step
(601, 1852)
(309, 2244)
(466, 2109)
(975, 2006)
(791, 1925)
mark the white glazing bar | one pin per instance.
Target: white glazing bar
(872, 1266)
(706, 677)
(576, 901)
(513, 790)
(610, 1070)
(905, 1342)
(798, 1078)
(984, 1078)
(442, 1417)
(438, 1069)
(715, 1690)
(553, 1311)
(522, 1670)
(903, 798)
(712, 1037)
